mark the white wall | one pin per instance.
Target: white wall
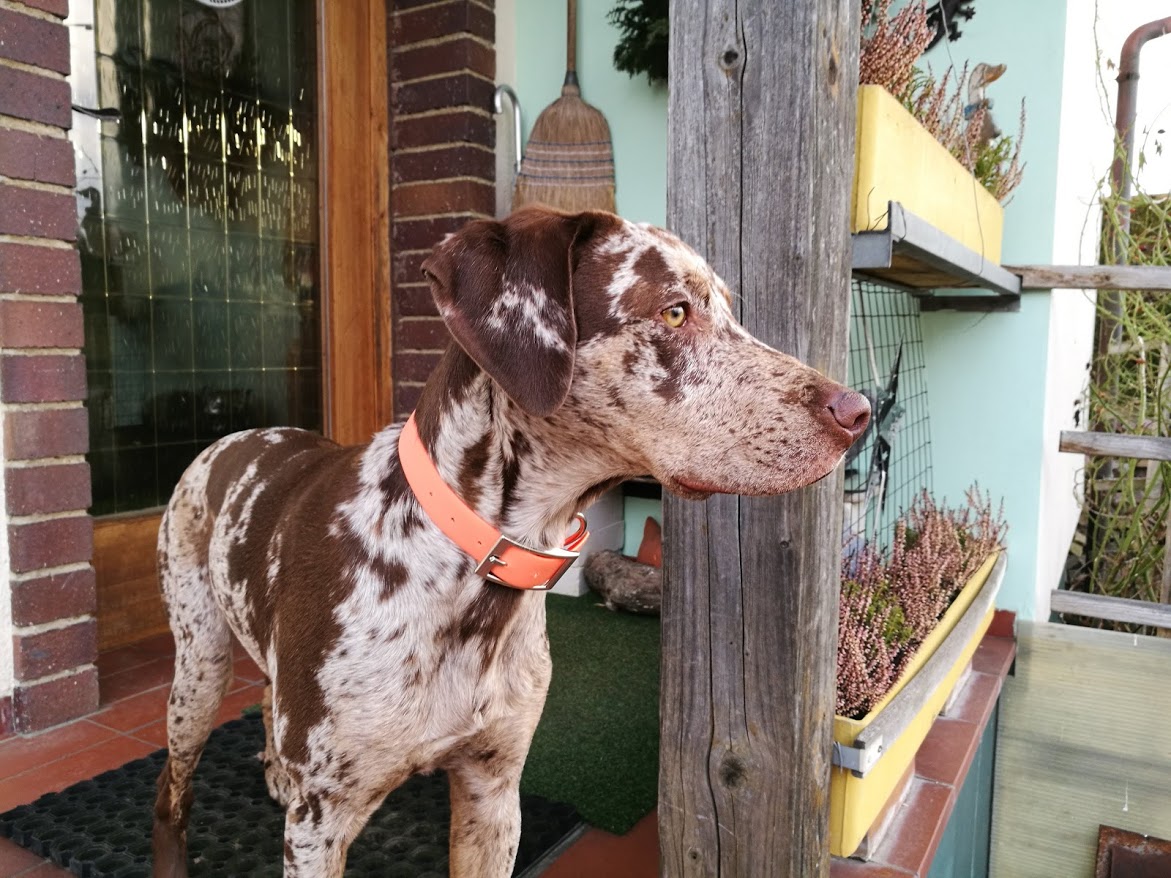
(1085, 137)
(1116, 22)
(505, 73)
(1086, 144)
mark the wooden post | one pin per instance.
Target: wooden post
(761, 124)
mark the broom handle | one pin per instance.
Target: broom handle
(571, 45)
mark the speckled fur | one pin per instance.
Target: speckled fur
(385, 654)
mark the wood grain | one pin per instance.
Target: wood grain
(1100, 606)
(761, 125)
(130, 606)
(355, 219)
(1093, 277)
(1116, 445)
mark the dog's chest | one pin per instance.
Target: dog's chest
(422, 675)
(354, 602)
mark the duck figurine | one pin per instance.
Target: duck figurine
(982, 75)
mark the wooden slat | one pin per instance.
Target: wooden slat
(1099, 606)
(355, 210)
(1116, 445)
(1093, 277)
(761, 115)
(130, 606)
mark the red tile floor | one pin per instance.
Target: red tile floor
(135, 681)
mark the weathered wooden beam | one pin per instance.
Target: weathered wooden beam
(761, 124)
(1093, 277)
(1116, 445)
(1099, 606)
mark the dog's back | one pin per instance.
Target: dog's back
(229, 515)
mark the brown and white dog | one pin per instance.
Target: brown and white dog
(588, 350)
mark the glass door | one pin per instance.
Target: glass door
(198, 191)
(200, 170)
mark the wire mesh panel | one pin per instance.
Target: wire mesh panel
(891, 464)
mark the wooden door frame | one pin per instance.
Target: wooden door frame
(355, 175)
(357, 387)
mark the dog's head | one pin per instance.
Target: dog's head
(581, 317)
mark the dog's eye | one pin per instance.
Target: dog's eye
(675, 316)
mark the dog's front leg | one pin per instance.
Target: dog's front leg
(485, 814)
(318, 830)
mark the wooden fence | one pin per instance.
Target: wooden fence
(1133, 612)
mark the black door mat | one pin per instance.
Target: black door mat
(101, 828)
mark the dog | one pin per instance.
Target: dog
(587, 350)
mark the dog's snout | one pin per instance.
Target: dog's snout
(851, 410)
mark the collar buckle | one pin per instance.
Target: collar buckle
(527, 568)
(497, 557)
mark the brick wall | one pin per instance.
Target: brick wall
(442, 75)
(42, 379)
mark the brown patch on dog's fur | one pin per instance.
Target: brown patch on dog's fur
(652, 292)
(487, 617)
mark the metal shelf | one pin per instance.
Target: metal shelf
(915, 255)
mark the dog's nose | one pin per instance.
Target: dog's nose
(851, 410)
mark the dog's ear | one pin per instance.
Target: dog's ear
(505, 291)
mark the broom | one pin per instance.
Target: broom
(569, 161)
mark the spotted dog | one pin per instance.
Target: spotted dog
(587, 350)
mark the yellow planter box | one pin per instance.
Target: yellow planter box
(856, 802)
(897, 160)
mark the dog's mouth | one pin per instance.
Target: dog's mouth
(691, 489)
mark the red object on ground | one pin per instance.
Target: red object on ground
(650, 551)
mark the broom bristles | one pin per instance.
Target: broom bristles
(569, 161)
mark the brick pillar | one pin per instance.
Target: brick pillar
(442, 154)
(42, 379)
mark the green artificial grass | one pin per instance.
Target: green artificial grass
(597, 746)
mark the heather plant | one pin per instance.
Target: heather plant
(998, 162)
(890, 51)
(891, 44)
(891, 601)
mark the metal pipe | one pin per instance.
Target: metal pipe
(1128, 100)
(1108, 331)
(498, 96)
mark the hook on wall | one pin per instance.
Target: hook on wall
(498, 96)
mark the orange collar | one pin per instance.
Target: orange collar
(501, 560)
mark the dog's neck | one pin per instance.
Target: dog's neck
(501, 460)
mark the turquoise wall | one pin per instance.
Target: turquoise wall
(963, 850)
(986, 373)
(637, 113)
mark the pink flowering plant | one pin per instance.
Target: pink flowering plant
(890, 601)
